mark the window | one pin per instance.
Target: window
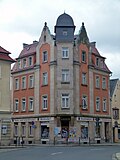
(30, 129)
(103, 83)
(65, 52)
(65, 101)
(23, 82)
(31, 81)
(24, 62)
(19, 64)
(23, 129)
(97, 61)
(23, 104)
(101, 63)
(30, 61)
(16, 105)
(16, 84)
(97, 82)
(83, 56)
(65, 75)
(16, 129)
(44, 102)
(45, 78)
(115, 113)
(97, 104)
(64, 33)
(31, 104)
(45, 56)
(104, 105)
(84, 102)
(84, 78)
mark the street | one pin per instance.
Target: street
(60, 153)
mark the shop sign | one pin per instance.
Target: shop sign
(44, 119)
(25, 120)
(84, 119)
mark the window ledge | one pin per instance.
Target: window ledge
(65, 82)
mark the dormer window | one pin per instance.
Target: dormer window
(97, 61)
(64, 33)
(30, 61)
(24, 62)
(19, 64)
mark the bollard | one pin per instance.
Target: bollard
(79, 141)
(54, 141)
(89, 140)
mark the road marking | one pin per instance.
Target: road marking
(52, 154)
(97, 149)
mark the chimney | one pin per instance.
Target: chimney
(35, 41)
(25, 45)
(93, 44)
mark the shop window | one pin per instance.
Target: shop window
(97, 129)
(16, 129)
(44, 132)
(23, 129)
(118, 133)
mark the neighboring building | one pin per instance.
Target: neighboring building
(5, 107)
(61, 84)
(115, 105)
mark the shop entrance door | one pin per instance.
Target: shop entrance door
(64, 128)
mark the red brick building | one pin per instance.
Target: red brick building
(61, 87)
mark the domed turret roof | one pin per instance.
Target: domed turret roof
(65, 20)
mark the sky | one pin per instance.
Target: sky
(21, 21)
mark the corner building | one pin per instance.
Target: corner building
(61, 88)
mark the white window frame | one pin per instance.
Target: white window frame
(31, 103)
(31, 81)
(104, 104)
(65, 101)
(30, 61)
(45, 78)
(44, 102)
(103, 82)
(97, 103)
(65, 75)
(24, 62)
(16, 105)
(97, 81)
(23, 106)
(65, 52)
(19, 63)
(84, 102)
(16, 83)
(24, 82)
(84, 78)
(97, 61)
(45, 56)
